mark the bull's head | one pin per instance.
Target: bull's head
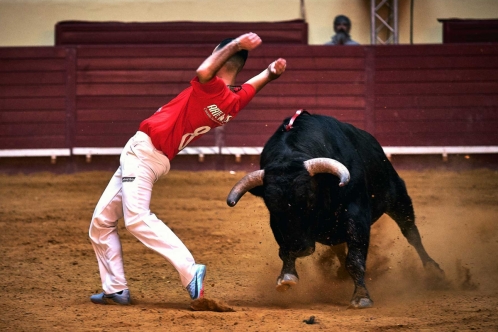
(313, 166)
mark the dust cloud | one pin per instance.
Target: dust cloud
(458, 231)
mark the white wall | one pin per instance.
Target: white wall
(427, 30)
(32, 22)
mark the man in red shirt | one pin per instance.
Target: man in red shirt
(210, 101)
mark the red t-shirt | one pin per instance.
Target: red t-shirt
(193, 113)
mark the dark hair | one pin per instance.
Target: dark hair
(342, 19)
(243, 54)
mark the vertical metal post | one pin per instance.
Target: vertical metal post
(384, 21)
(411, 22)
(373, 35)
(303, 10)
(395, 14)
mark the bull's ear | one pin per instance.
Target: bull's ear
(257, 191)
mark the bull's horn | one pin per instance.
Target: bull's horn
(328, 165)
(251, 180)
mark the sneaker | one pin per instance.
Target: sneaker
(122, 297)
(196, 287)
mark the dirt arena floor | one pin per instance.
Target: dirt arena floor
(48, 269)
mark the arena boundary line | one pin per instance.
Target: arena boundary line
(238, 152)
(52, 153)
(444, 151)
(201, 151)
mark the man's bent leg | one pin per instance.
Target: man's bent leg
(141, 169)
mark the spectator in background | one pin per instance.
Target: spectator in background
(342, 26)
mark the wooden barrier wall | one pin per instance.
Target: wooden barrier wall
(96, 96)
(436, 95)
(185, 33)
(34, 98)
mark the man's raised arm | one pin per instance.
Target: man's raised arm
(274, 70)
(208, 69)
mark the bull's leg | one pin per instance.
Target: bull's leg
(358, 231)
(403, 215)
(288, 276)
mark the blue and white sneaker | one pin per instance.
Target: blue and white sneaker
(122, 297)
(196, 286)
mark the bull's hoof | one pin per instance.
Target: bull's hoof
(433, 268)
(361, 303)
(435, 276)
(285, 282)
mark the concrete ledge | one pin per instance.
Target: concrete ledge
(201, 151)
(34, 152)
(239, 151)
(477, 159)
(389, 150)
(444, 151)
(52, 153)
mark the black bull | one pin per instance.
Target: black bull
(326, 181)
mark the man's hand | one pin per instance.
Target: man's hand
(276, 68)
(248, 41)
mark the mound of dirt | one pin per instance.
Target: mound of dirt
(205, 304)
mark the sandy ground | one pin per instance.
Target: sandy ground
(48, 269)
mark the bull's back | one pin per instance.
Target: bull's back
(358, 150)
(311, 135)
(325, 136)
(315, 136)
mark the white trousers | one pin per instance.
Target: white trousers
(128, 195)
